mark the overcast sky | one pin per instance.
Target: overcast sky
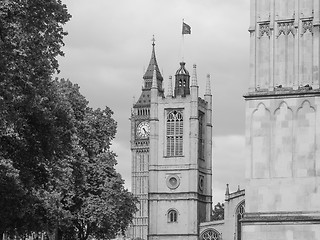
(109, 47)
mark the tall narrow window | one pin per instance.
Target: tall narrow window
(172, 216)
(175, 133)
(201, 137)
(239, 215)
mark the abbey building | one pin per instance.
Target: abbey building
(171, 139)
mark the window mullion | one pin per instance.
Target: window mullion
(174, 134)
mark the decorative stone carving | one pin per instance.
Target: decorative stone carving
(307, 26)
(281, 28)
(264, 29)
(173, 181)
(201, 182)
(286, 28)
(291, 28)
(210, 234)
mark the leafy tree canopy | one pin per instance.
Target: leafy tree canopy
(218, 212)
(35, 126)
(99, 206)
(56, 167)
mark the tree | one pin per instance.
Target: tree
(218, 212)
(31, 36)
(98, 204)
(36, 128)
(57, 169)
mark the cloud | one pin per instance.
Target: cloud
(109, 46)
(124, 162)
(228, 164)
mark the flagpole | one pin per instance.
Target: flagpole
(182, 47)
(186, 29)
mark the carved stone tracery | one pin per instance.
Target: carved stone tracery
(291, 28)
(286, 28)
(281, 29)
(264, 29)
(307, 26)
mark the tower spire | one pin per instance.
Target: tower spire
(227, 190)
(208, 85)
(170, 93)
(147, 77)
(153, 40)
(194, 81)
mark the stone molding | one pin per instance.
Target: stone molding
(140, 174)
(172, 234)
(179, 196)
(173, 167)
(287, 93)
(281, 217)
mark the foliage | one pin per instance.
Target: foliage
(35, 125)
(31, 37)
(56, 168)
(100, 206)
(218, 212)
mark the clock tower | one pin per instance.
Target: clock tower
(180, 166)
(171, 145)
(140, 131)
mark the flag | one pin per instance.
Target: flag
(186, 29)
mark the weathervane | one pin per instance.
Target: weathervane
(153, 40)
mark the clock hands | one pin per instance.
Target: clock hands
(143, 129)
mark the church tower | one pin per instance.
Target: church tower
(283, 122)
(140, 147)
(180, 175)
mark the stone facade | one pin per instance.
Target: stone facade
(140, 117)
(282, 116)
(284, 44)
(230, 227)
(282, 139)
(180, 177)
(171, 144)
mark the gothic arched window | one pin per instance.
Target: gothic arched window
(210, 234)
(239, 215)
(175, 133)
(172, 216)
(201, 136)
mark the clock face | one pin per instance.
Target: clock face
(143, 129)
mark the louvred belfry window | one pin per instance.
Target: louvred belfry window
(175, 133)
